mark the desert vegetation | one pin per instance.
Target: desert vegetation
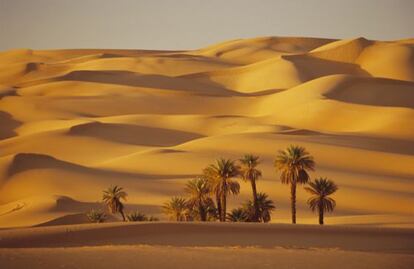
(112, 199)
(320, 201)
(293, 164)
(177, 209)
(96, 216)
(139, 216)
(206, 196)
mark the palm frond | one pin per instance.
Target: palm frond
(293, 164)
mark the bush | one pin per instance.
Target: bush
(137, 216)
(238, 215)
(96, 216)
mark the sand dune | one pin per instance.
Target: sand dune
(213, 234)
(56, 210)
(278, 73)
(343, 50)
(168, 65)
(204, 257)
(246, 51)
(357, 102)
(127, 134)
(380, 59)
(210, 245)
(74, 122)
(389, 60)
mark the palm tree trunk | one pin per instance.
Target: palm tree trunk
(218, 201)
(256, 205)
(224, 205)
(122, 214)
(202, 212)
(293, 201)
(320, 214)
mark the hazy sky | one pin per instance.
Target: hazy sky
(182, 24)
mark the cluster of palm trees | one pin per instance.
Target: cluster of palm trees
(206, 195)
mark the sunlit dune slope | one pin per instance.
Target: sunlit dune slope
(73, 122)
(246, 51)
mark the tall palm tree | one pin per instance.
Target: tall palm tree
(250, 173)
(210, 175)
(320, 189)
(176, 209)
(220, 177)
(112, 198)
(265, 208)
(198, 190)
(294, 164)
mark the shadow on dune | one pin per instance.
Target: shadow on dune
(8, 92)
(7, 125)
(374, 92)
(75, 211)
(128, 78)
(390, 145)
(133, 134)
(306, 68)
(28, 161)
(310, 67)
(67, 204)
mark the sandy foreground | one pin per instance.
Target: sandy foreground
(206, 245)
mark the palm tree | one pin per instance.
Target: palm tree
(198, 190)
(112, 198)
(294, 164)
(321, 188)
(265, 208)
(213, 181)
(176, 209)
(212, 213)
(249, 172)
(220, 177)
(238, 215)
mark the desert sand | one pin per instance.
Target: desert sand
(206, 245)
(73, 122)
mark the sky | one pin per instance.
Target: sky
(191, 24)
